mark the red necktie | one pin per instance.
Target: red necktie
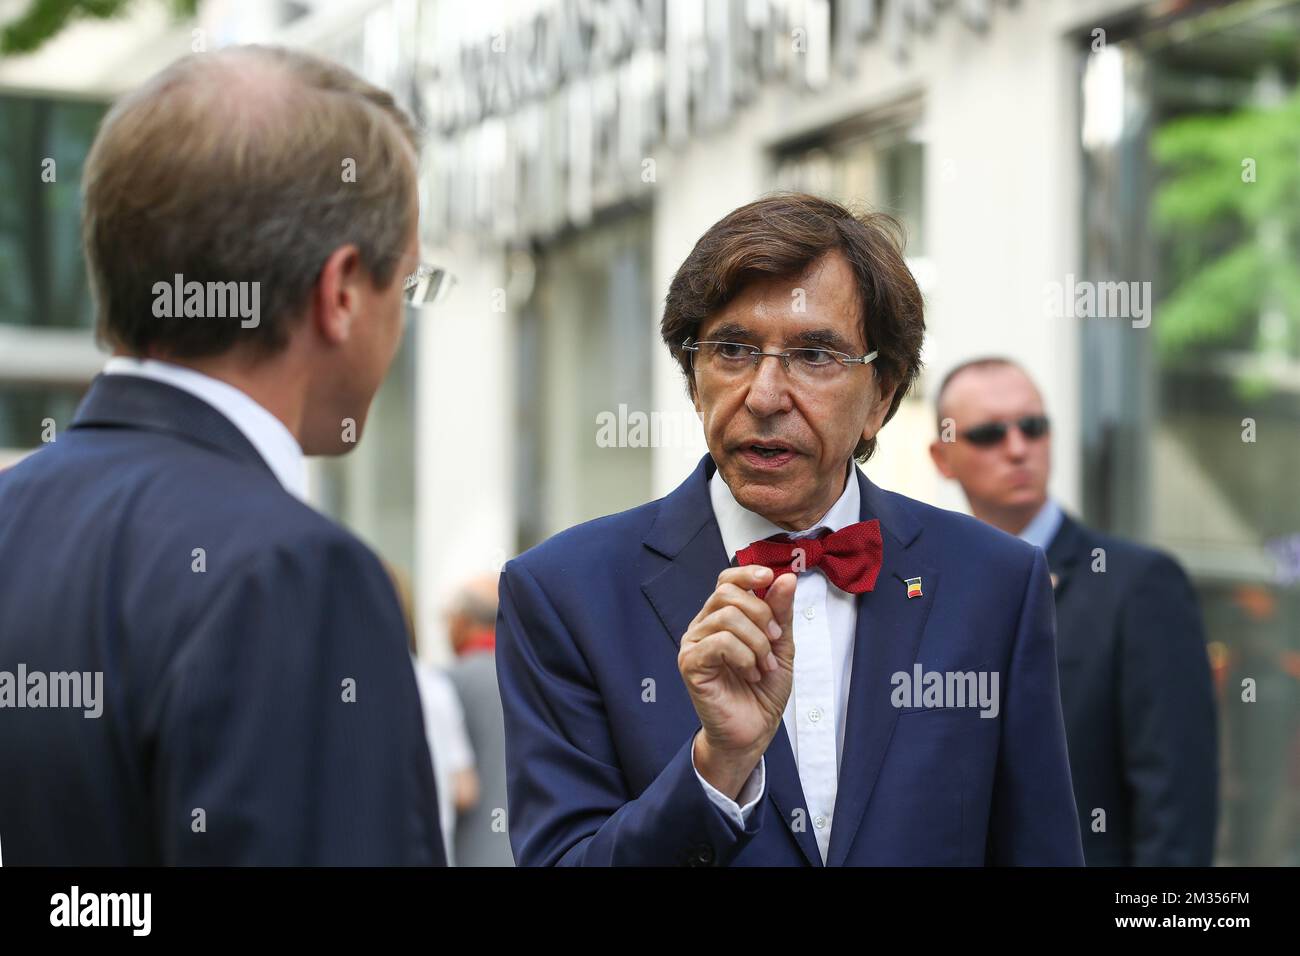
(850, 558)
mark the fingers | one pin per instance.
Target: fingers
(780, 600)
(733, 611)
(738, 623)
(749, 603)
(723, 647)
(734, 588)
(746, 578)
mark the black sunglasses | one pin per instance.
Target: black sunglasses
(992, 433)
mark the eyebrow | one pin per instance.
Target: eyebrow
(826, 338)
(816, 338)
(730, 332)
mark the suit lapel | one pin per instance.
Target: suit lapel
(888, 634)
(686, 534)
(1063, 554)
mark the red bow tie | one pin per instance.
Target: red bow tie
(850, 558)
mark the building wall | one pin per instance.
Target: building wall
(1001, 185)
(1002, 217)
(464, 494)
(1001, 182)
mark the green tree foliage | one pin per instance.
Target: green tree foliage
(1228, 209)
(45, 18)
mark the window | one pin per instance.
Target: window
(43, 144)
(878, 161)
(584, 351)
(26, 410)
(1190, 133)
(47, 355)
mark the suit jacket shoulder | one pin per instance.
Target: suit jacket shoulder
(953, 533)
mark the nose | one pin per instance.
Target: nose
(1017, 446)
(769, 389)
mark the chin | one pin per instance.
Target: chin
(772, 502)
(1022, 497)
(754, 495)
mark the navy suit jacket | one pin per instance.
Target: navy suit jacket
(1138, 702)
(224, 737)
(599, 724)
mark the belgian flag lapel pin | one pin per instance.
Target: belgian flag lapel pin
(913, 587)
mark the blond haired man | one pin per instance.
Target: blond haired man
(246, 656)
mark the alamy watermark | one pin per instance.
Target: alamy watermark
(923, 688)
(130, 910)
(208, 300)
(637, 429)
(83, 690)
(1099, 300)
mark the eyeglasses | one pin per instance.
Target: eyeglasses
(992, 433)
(734, 359)
(427, 285)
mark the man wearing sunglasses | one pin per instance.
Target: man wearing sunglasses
(717, 677)
(1135, 679)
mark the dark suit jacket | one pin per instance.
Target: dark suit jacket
(1138, 701)
(223, 688)
(599, 770)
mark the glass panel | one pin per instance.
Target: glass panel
(42, 276)
(584, 351)
(1192, 425)
(24, 409)
(879, 162)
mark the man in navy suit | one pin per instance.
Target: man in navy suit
(656, 710)
(1135, 677)
(195, 666)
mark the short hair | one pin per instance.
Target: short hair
(233, 166)
(780, 236)
(983, 362)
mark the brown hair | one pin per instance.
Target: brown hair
(782, 235)
(232, 166)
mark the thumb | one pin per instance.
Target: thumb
(780, 598)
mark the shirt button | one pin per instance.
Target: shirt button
(819, 822)
(810, 612)
(815, 714)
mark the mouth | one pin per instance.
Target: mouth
(1021, 477)
(767, 455)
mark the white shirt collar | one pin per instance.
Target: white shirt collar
(741, 527)
(1043, 526)
(266, 433)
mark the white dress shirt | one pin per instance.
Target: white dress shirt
(825, 623)
(266, 433)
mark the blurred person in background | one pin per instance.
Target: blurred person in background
(482, 838)
(254, 694)
(1134, 672)
(444, 726)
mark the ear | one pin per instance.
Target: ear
(939, 455)
(337, 300)
(876, 417)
